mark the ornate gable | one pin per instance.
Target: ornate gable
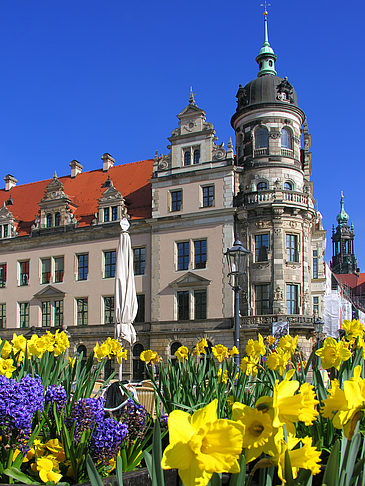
(7, 223)
(49, 292)
(111, 207)
(56, 208)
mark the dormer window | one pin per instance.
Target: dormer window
(4, 231)
(187, 157)
(191, 154)
(7, 227)
(111, 205)
(288, 186)
(49, 221)
(57, 219)
(196, 156)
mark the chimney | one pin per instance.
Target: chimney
(76, 168)
(10, 182)
(108, 162)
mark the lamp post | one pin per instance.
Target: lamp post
(237, 264)
(318, 328)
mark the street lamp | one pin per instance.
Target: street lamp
(237, 257)
(318, 327)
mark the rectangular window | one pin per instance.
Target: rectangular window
(46, 270)
(58, 269)
(2, 316)
(262, 299)
(58, 313)
(2, 275)
(46, 314)
(316, 306)
(109, 263)
(82, 266)
(176, 200)
(183, 308)
(24, 273)
(262, 247)
(106, 215)
(208, 196)
(183, 255)
(200, 304)
(315, 264)
(139, 261)
(82, 312)
(140, 317)
(108, 310)
(200, 253)
(292, 248)
(4, 232)
(292, 298)
(23, 314)
(114, 213)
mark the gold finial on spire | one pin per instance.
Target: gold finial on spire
(265, 5)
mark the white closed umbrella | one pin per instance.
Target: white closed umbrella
(125, 298)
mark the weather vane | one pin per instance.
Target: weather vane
(265, 5)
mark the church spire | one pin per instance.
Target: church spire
(342, 217)
(267, 57)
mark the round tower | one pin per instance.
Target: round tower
(275, 207)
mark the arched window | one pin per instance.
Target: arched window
(196, 156)
(49, 220)
(261, 138)
(174, 347)
(288, 186)
(138, 365)
(262, 186)
(81, 352)
(286, 140)
(187, 158)
(57, 219)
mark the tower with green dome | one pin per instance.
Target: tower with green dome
(343, 252)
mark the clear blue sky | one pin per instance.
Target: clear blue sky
(85, 77)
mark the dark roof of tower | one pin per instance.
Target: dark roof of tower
(268, 89)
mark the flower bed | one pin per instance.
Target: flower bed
(274, 419)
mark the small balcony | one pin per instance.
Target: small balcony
(266, 321)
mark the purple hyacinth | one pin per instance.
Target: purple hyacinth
(107, 439)
(135, 417)
(86, 413)
(19, 401)
(55, 394)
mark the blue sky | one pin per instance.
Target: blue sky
(85, 77)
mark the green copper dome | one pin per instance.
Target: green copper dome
(342, 216)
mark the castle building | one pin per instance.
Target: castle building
(59, 237)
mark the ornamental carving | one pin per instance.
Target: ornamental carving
(274, 134)
(277, 212)
(242, 97)
(219, 152)
(165, 162)
(261, 265)
(278, 294)
(285, 91)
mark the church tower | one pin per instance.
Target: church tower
(343, 252)
(275, 206)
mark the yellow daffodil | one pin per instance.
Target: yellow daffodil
(201, 445)
(182, 353)
(305, 457)
(220, 352)
(345, 406)
(234, 351)
(19, 343)
(288, 407)
(147, 356)
(249, 366)
(200, 346)
(6, 367)
(353, 329)
(36, 346)
(255, 349)
(271, 340)
(121, 355)
(6, 349)
(288, 343)
(45, 467)
(102, 351)
(278, 360)
(257, 425)
(333, 353)
(222, 376)
(56, 449)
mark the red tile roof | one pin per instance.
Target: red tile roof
(351, 279)
(84, 190)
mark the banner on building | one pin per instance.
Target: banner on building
(280, 329)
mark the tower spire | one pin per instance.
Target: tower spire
(267, 57)
(342, 216)
(191, 97)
